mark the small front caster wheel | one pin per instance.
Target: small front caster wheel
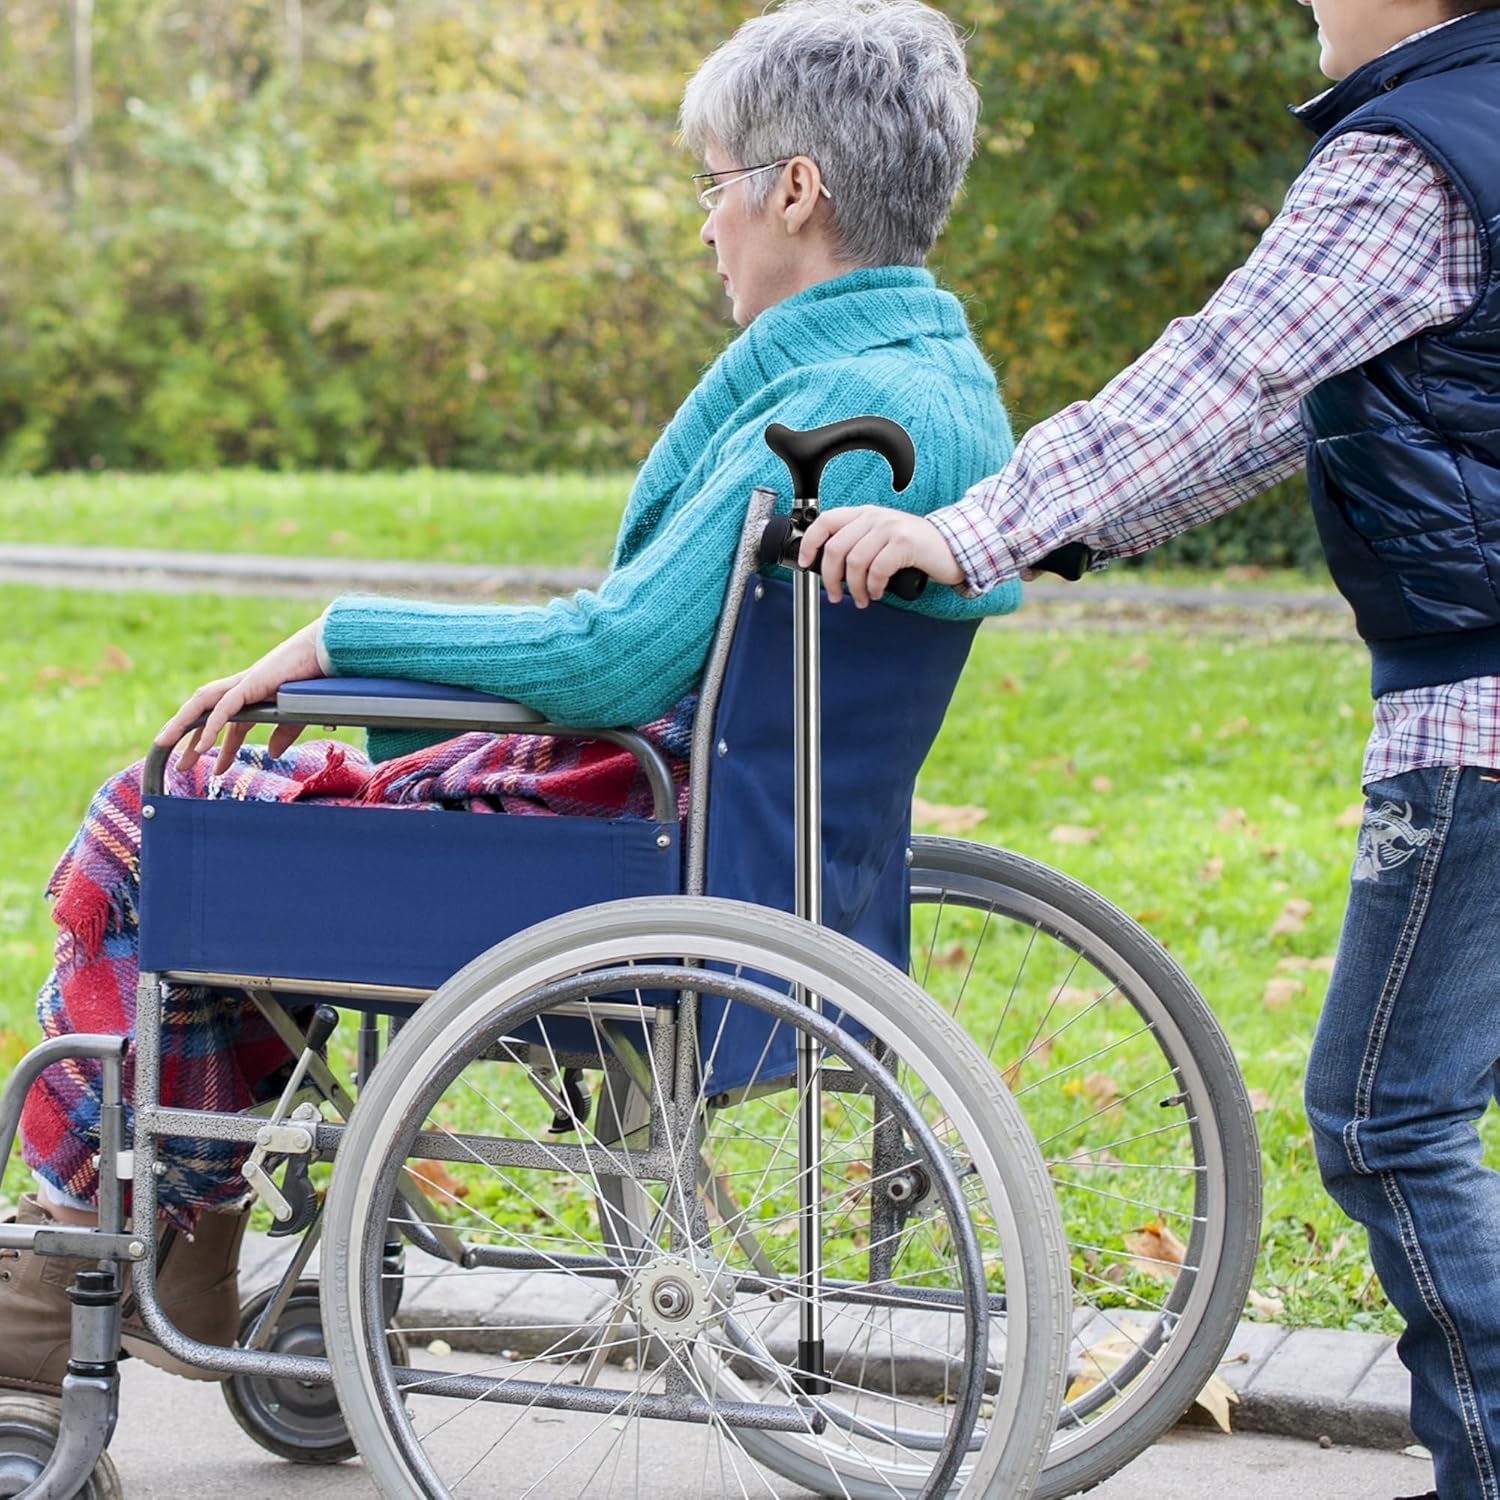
(294, 1419)
(28, 1433)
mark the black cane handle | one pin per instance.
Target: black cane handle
(806, 454)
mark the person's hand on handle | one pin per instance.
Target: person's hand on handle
(864, 545)
(294, 660)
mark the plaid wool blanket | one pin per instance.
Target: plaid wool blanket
(218, 1053)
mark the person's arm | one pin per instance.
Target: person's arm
(1364, 254)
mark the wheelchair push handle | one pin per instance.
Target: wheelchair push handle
(806, 454)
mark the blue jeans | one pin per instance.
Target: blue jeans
(1403, 1065)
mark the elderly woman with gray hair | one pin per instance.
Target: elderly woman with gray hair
(834, 135)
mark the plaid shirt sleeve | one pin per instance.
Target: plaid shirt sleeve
(1372, 246)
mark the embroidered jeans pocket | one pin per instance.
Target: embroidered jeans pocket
(1387, 839)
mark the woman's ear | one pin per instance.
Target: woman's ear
(802, 186)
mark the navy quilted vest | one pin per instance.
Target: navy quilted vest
(1404, 452)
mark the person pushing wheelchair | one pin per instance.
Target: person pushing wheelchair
(1361, 338)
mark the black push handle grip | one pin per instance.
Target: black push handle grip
(782, 540)
(806, 454)
(1070, 561)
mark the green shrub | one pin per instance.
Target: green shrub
(463, 237)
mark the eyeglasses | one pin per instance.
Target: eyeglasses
(707, 196)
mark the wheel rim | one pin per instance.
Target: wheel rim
(1125, 1117)
(360, 1207)
(686, 1308)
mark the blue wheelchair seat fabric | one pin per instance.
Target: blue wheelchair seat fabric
(407, 898)
(372, 895)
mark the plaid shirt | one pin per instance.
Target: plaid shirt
(1372, 246)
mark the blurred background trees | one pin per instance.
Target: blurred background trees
(342, 234)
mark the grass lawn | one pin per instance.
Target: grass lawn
(438, 516)
(1201, 782)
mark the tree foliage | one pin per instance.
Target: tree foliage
(356, 233)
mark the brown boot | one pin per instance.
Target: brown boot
(198, 1286)
(36, 1317)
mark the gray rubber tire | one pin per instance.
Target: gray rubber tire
(1225, 1246)
(28, 1433)
(872, 993)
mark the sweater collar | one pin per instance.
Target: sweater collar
(860, 311)
(1470, 39)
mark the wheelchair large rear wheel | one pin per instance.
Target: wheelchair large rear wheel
(619, 1296)
(1141, 1113)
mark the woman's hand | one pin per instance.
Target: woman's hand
(295, 659)
(864, 546)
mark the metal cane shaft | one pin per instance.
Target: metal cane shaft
(807, 727)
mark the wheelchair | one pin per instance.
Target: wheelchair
(680, 1099)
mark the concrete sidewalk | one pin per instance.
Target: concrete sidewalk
(111, 568)
(176, 1438)
(1303, 1383)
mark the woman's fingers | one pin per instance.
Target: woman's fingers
(195, 707)
(294, 659)
(283, 737)
(234, 737)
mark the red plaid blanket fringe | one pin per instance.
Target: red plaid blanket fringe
(218, 1053)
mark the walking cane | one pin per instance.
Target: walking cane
(806, 454)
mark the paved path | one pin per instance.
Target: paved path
(176, 1438)
(314, 577)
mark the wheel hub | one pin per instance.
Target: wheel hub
(675, 1299)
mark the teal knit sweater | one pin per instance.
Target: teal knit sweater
(885, 340)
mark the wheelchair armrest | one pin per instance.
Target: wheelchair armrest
(359, 700)
(395, 703)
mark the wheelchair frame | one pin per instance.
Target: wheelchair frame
(90, 1390)
(1050, 903)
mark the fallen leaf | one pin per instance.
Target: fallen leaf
(1155, 1250)
(1352, 816)
(1074, 994)
(288, 527)
(1151, 914)
(434, 1175)
(1231, 818)
(1212, 869)
(1235, 727)
(1280, 992)
(1259, 1100)
(114, 660)
(1099, 1361)
(1071, 833)
(1102, 784)
(1216, 1398)
(1293, 963)
(1267, 1307)
(947, 819)
(1102, 1090)
(1008, 684)
(1293, 917)
(952, 956)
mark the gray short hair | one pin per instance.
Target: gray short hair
(877, 92)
